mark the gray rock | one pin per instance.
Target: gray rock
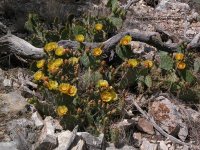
(79, 145)
(125, 124)
(166, 115)
(22, 132)
(65, 139)
(12, 103)
(183, 132)
(7, 82)
(146, 145)
(93, 143)
(47, 137)
(137, 139)
(145, 126)
(162, 146)
(8, 146)
(125, 147)
(37, 120)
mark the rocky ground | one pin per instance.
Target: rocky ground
(23, 128)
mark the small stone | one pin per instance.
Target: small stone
(163, 146)
(137, 139)
(145, 126)
(93, 142)
(125, 124)
(80, 145)
(183, 132)
(146, 145)
(64, 140)
(7, 82)
(37, 120)
(12, 103)
(47, 137)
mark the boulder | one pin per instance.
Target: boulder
(22, 132)
(66, 139)
(166, 114)
(47, 138)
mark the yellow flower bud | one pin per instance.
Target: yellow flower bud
(50, 46)
(60, 51)
(80, 38)
(72, 91)
(40, 63)
(126, 40)
(102, 83)
(147, 63)
(179, 56)
(62, 110)
(38, 75)
(58, 62)
(108, 95)
(97, 52)
(64, 87)
(180, 65)
(52, 85)
(98, 26)
(132, 63)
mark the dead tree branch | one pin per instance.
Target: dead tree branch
(15, 45)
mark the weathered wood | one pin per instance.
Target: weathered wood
(15, 45)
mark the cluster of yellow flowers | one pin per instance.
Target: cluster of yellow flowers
(134, 63)
(107, 94)
(180, 63)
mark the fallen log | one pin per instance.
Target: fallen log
(12, 44)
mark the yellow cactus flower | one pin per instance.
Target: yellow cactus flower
(97, 51)
(179, 56)
(40, 63)
(180, 65)
(102, 83)
(52, 67)
(80, 38)
(50, 46)
(60, 51)
(108, 96)
(72, 91)
(98, 26)
(126, 40)
(52, 85)
(62, 110)
(64, 88)
(147, 63)
(38, 75)
(73, 60)
(58, 62)
(132, 63)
